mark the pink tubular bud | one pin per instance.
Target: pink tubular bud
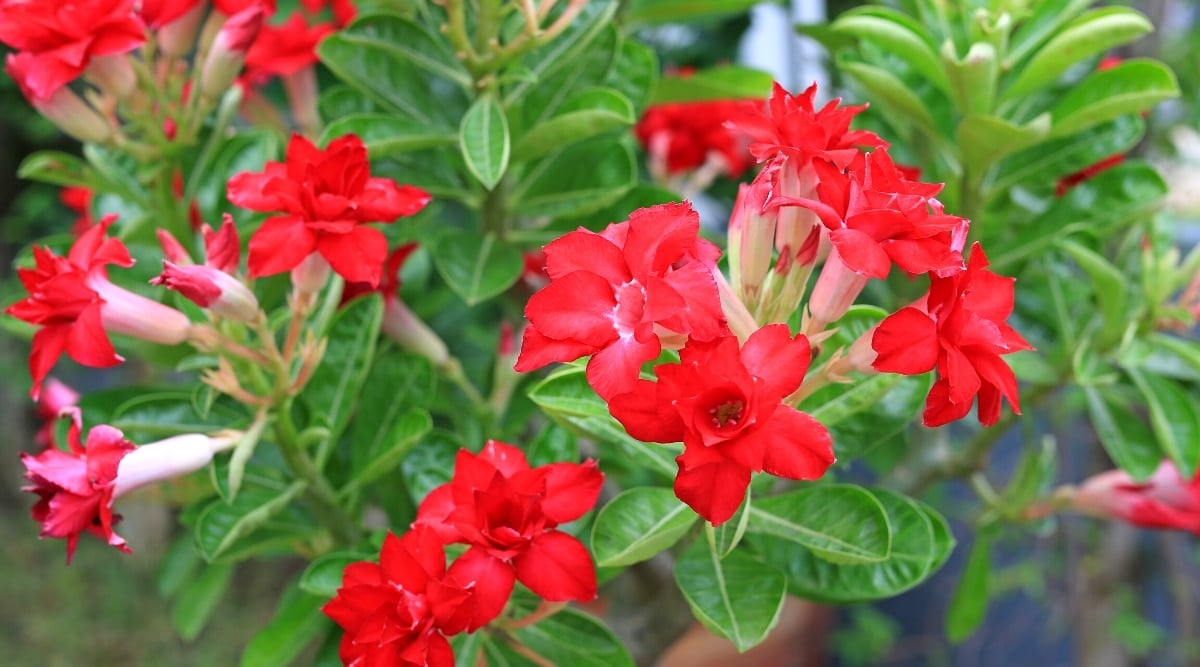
(310, 276)
(178, 38)
(172, 248)
(212, 289)
(835, 291)
(222, 249)
(168, 459)
(228, 52)
(402, 326)
(751, 237)
(113, 74)
(62, 107)
(129, 314)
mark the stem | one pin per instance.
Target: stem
(493, 210)
(168, 210)
(318, 490)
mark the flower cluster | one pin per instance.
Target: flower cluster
(687, 136)
(400, 611)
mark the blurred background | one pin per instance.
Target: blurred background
(1084, 593)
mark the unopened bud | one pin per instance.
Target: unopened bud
(211, 289)
(228, 52)
(61, 106)
(168, 459)
(402, 326)
(113, 74)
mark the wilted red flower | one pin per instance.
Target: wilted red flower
(60, 39)
(959, 329)
(683, 136)
(1166, 500)
(726, 405)
(284, 49)
(394, 612)
(75, 305)
(613, 294)
(509, 513)
(325, 197)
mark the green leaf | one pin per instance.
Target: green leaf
(723, 539)
(555, 186)
(921, 543)
(333, 390)
(969, 604)
(888, 90)
(222, 524)
(242, 452)
(638, 524)
(298, 621)
(634, 74)
(727, 82)
(567, 392)
(1034, 475)
(198, 599)
(564, 51)
(1108, 286)
(677, 11)
(985, 139)
(1133, 86)
(323, 576)
(841, 523)
(583, 116)
(1093, 33)
(1174, 418)
(155, 415)
(571, 637)
(387, 135)
(739, 598)
(1124, 435)
(406, 431)
(484, 141)
(1045, 162)
(431, 464)
(477, 266)
(1047, 19)
(890, 415)
(973, 77)
(836, 403)
(405, 40)
(58, 168)
(896, 34)
(177, 566)
(554, 444)
(410, 381)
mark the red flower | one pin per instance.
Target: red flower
(324, 196)
(284, 49)
(78, 199)
(393, 612)
(61, 38)
(55, 397)
(508, 513)
(791, 125)
(959, 329)
(231, 7)
(683, 136)
(614, 293)
(75, 488)
(73, 302)
(1166, 500)
(725, 404)
(159, 13)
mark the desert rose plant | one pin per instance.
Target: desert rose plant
(462, 345)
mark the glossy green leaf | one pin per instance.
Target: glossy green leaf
(177, 566)
(921, 543)
(723, 539)
(555, 186)
(333, 390)
(1124, 435)
(634, 73)
(1046, 20)
(297, 622)
(969, 604)
(1034, 475)
(386, 135)
(406, 40)
(972, 78)
(431, 464)
(571, 637)
(590, 113)
(840, 523)
(1174, 418)
(675, 11)
(888, 90)
(222, 523)
(590, 70)
(409, 380)
(874, 425)
(58, 168)
(727, 82)
(738, 597)
(566, 392)
(323, 576)
(405, 432)
(1044, 163)
(477, 266)
(197, 600)
(553, 444)
(341, 100)
(484, 141)
(1108, 285)
(896, 34)
(155, 415)
(1133, 86)
(985, 139)
(564, 51)
(833, 404)
(638, 524)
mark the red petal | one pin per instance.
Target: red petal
(659, 236)
(797, 446)
(557, 567)
(861, 253)
(714, 490)
(279, 245)
(614, 370)
(249, 190)
(507, 459)
(939, 410)
(48, 345)
(571, 490)
(777, 358)
(647, 413)
(537, 350)
(586, 251)
(87, 341)
(357, 256)
(905, 342)
(490, 582)
(578, 306)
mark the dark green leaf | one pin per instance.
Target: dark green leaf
(1126, 438)
(323, 577)
(554, 186)
(198, 599)
(583, 116)
(887, 89)
(1174, 418)
(969, 604)
(574, 638)
(477, 266)
(297, 622)
(333, 390)
(1046, 162)
(554, 444)
(386, 135)
(484, 141)
(985, 139)
(634, 73)
(739, 597)
(410, 381)
(565, 50)
(157, 415)
(404, 434)
(222, 524)
(638, 524)
(431, 464)
(840, 523)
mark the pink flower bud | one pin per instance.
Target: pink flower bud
(167, 459)
(62, 107)
(402, 326)
(752, 237)
(177, 38)
(113, 74)
(228, 52)
(311, 274)
(1166, 500)
(836, 289)
(124, 312)
(172, 248)
(210, 288)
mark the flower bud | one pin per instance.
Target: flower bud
(835, 291)
(402, 326)
(62, 107)
(310, 276)
(124, 312)
(167, 459)
(210, 288)
(751, 237)
(113, 74)
(178, 38)
(172, 248)
(228, 52)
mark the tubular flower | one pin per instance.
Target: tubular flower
(76, 488)
(958, 328)
(726, 405)
(394, 613)
(60, 39)
(613, 294)
(1166, 500)
(75, 305)
(681, 137)
(324, 198)
(509, 513)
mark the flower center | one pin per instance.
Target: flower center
(631, 304)
(727, 413)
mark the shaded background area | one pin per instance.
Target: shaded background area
(1080, 592)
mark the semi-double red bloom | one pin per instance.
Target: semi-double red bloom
(231, 7)
(1166, 500)
(75, 488)
(614, 294)
(284, 49)
(60, 39)
(683, 136)
(324, 197)
(394, 612)
(509, 514)
(959, 329)
(792, 126)
(725, 405)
